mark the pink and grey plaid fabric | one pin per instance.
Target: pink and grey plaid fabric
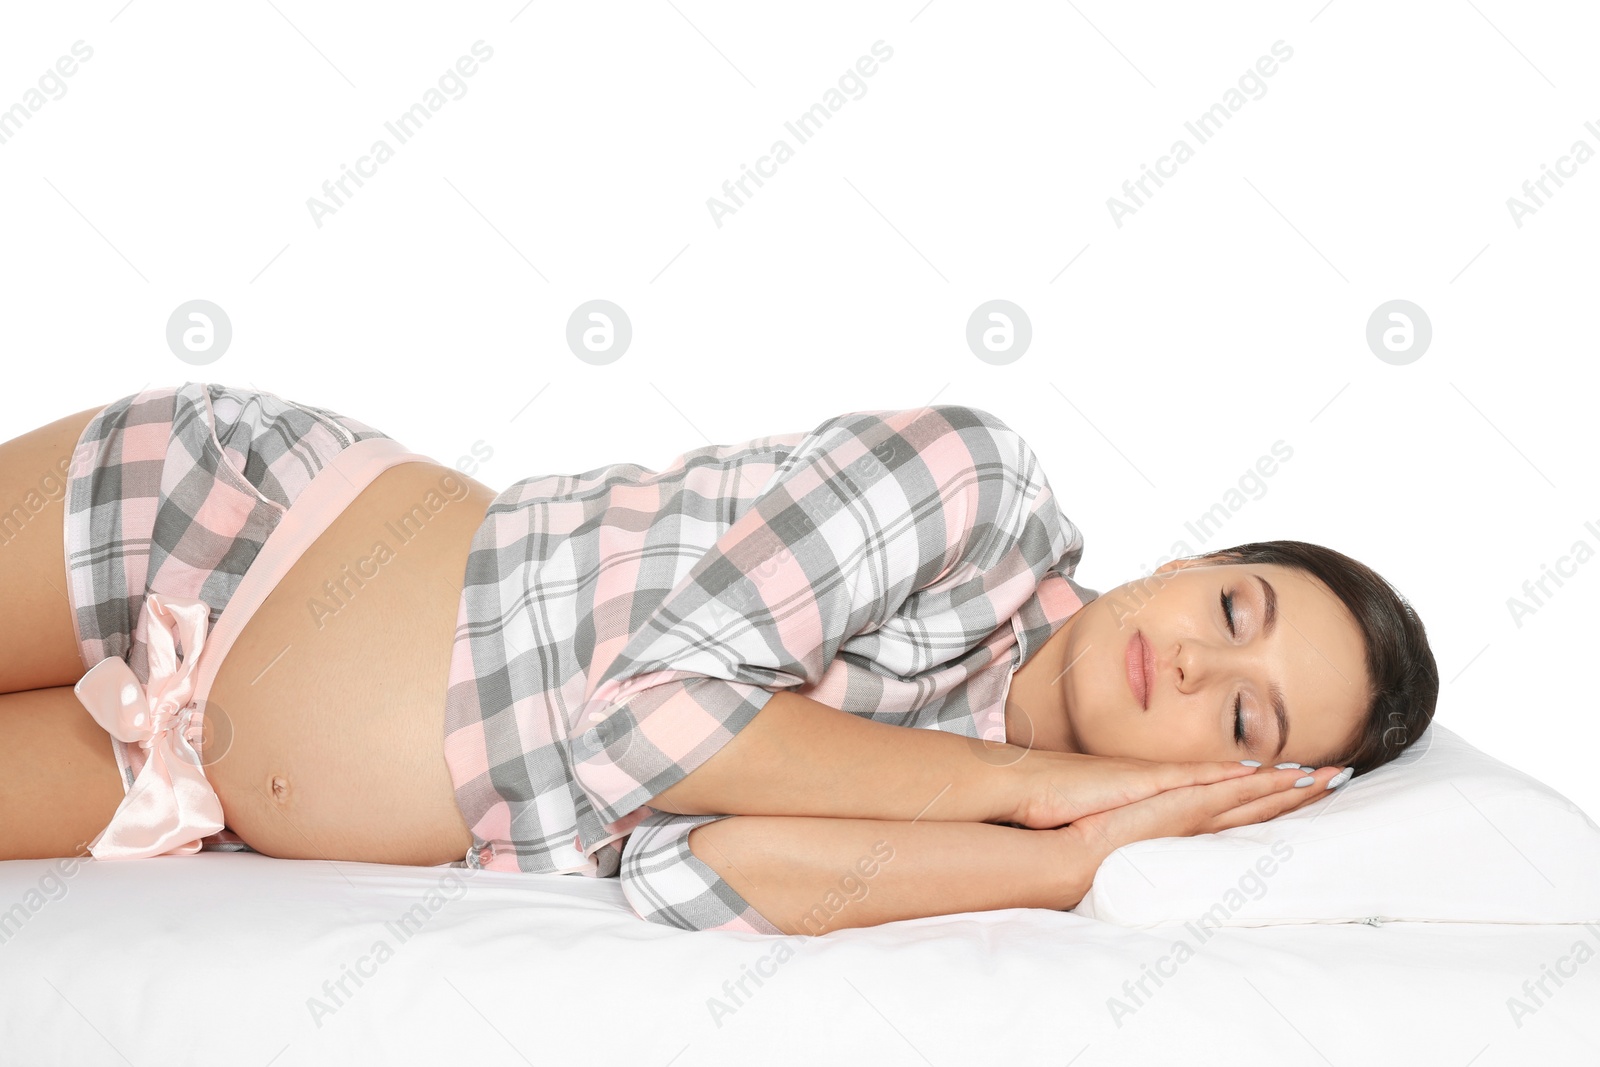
(665, 882)
(173, 490)
(621, 625)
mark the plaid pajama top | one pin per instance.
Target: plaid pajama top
(617, 627)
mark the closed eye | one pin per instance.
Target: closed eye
(1239, 734)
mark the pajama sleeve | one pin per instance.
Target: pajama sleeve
(869, 510)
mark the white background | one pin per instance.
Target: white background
(1168, 354)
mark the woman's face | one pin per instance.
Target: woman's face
(1202, 674)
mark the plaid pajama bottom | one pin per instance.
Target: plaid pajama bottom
(173, 491)
(667, 883)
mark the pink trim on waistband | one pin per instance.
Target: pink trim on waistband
(323, 499)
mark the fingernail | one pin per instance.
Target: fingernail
(1308, 770)
(1307, 780)
(1341, 778)
(1286, 766)
(1251, 762)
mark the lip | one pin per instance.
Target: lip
(1137, 661)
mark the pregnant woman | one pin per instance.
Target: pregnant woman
(808, 681)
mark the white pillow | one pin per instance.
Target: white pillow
(1443, 833)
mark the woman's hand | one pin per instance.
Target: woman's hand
(1189, 810)
(1060, 787)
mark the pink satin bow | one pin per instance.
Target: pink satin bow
(170, 805)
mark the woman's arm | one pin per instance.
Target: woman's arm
(814, 875)
(802, 757)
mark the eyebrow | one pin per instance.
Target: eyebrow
(1274, 690)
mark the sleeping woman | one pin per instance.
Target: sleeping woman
(809, 681)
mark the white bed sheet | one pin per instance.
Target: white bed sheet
(220, 958)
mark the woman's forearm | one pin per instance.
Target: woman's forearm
(801, 757)
(813, 875)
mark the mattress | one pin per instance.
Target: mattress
(240, 958)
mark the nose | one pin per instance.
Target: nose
(1195, 663)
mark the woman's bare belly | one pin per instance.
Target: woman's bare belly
(324, 731)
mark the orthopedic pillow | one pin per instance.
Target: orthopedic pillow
(1444, 833)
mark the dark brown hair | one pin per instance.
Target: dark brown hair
(1403, 679)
